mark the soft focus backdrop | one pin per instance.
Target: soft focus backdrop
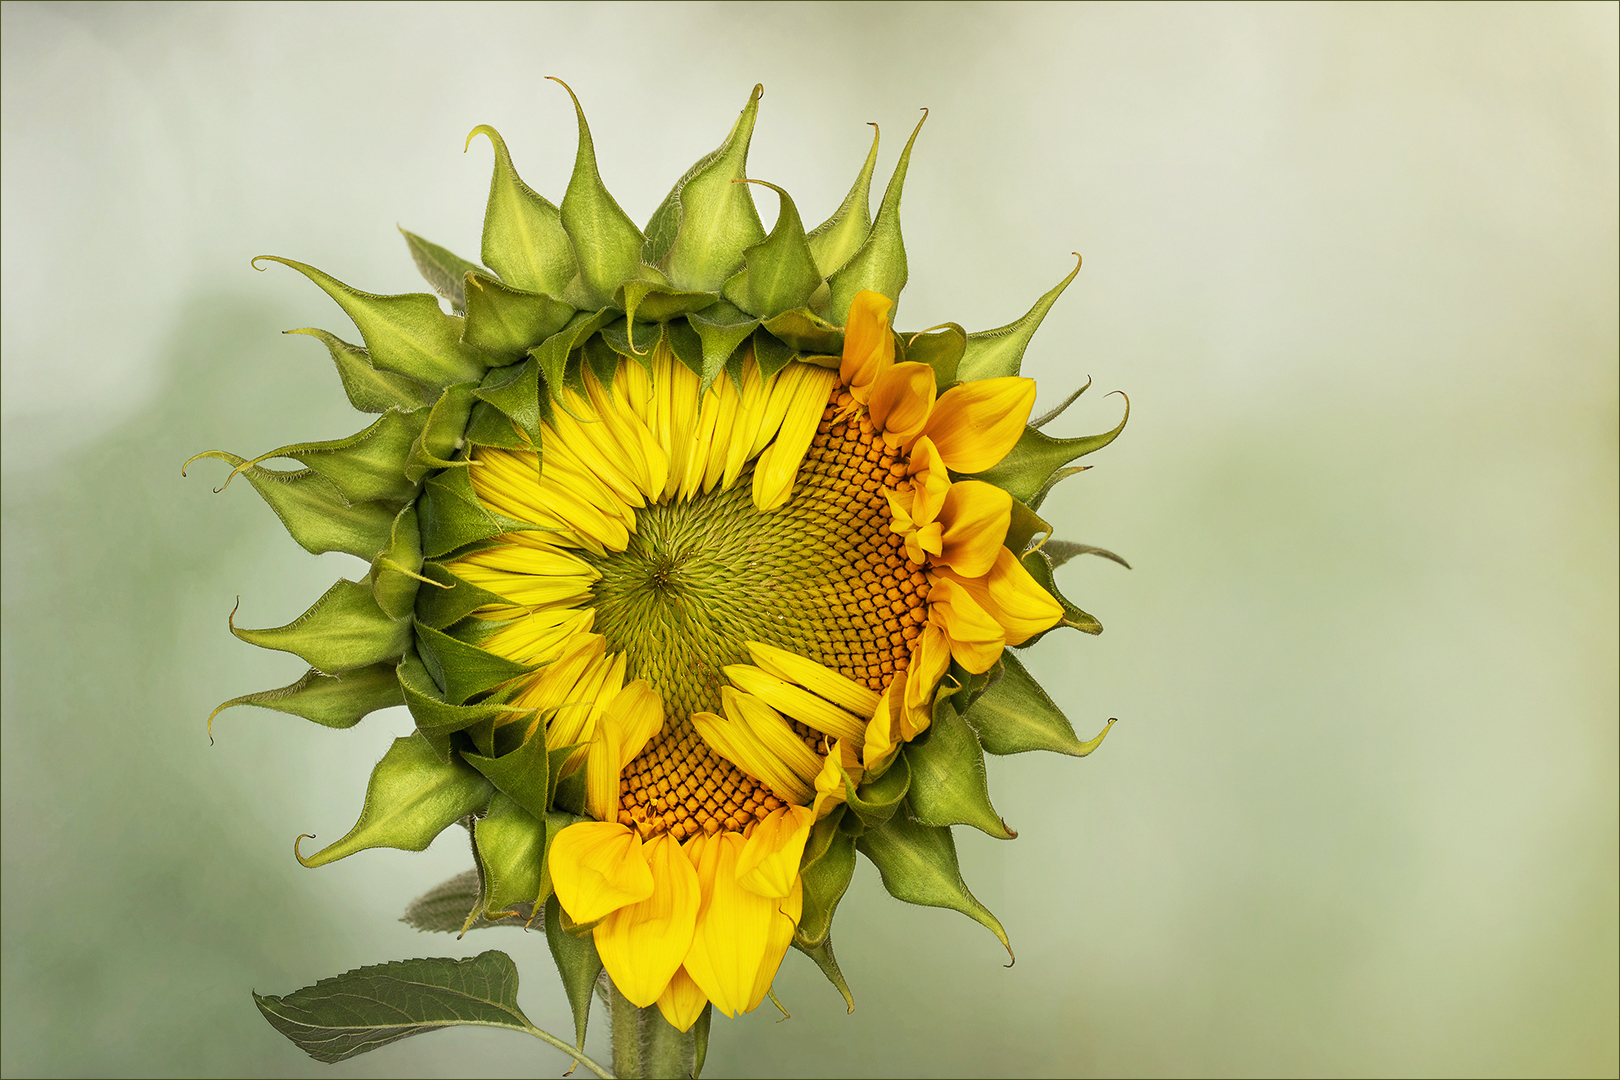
(1356, 267)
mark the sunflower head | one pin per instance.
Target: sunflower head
(695, 575)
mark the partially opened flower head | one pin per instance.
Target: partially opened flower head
(696, 576)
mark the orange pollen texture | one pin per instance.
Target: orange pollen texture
(678, 785)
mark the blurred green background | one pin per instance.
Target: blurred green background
(1356, 267)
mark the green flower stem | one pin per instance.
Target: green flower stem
(645, 1045)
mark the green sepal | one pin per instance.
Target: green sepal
(515, 392)
(699, 233)
(488, 426)
(407, 334)
(1053, 413)
(804, 330)
(366, 467)
(439, 608)
(442, 269)
(524, 239)
(1036, 456)
(700, 1039)
(880, 262)
(684, 342)
(721, 328)
(555, 821)
(510, 843)
(343, 630)
(995, 353)
(941, 349)
(577, 964)
(395, 569)
(443, 434)
(606, 242)
(452, 517)
(963, 687)
(445, 908)
(368, 389)
(524, 774)
(1061, 551)
(1015, 716)
(508, 322)
(771, 354)
(654, 302)
(1024, 526)
(553, 353)
(437, 719)
(828, 864)
(334, 701)
(567, 792)
(948, 785)
(876, 801)
(360, 1010)
(918, 865)
(840, 236)
(1052, 481)
(822, 954)
(461, 669)
(1040, 568)
(779, 273)
(314, 512)
(411, 798)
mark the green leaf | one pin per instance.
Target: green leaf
(1040, 568)
(822, 954)
(412, 797)
(880, 262)
(510, 843)
(1036, 456)
(999, 352)
(829, 863)
(445, 908)
(806, 331)
(508, 322)
(408, 334)
(1061, 551)
(342, 630)
(368, 389)
(515, 391)
(918, 865)
(369, 1007)
(464, 670)
(365, 467)
(523, 775)
(452, 517)
(876, 801)
(440, 608)
(524, 238)
(778, 273)
(606, 242)
(721, 329)
(395, 570)
(314, 511)
(840, 236)
(699, 233)
(578, 965)
(335, 701)
(1015, 715)
(941, 349)
(948, 785)
(442, 269)
(437, 719)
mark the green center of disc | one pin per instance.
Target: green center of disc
(699, 579)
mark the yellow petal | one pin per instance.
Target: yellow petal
(976, 639)
(633, 717)
(642, 945)
(734, 741)
(930, 481)
(796, 702)
(734, 927)
(975, 424)
(598, 867)
(868, 342)
(682, 1002)
(778, 466)
(602, 772)
(769, 863)
(929, 660)
(819, 680)
(725, 432)
(786, 920)
(1014, 599)
(900, 401)
(774, 735)
(539, 637)
(882, 734)
(975, 516)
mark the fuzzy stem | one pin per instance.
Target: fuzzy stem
(645, 1045)
(624, 1021)
(670, 1053)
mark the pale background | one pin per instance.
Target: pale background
(1356, 266)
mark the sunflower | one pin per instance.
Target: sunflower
(695, 575)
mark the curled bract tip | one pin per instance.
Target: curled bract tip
(298, 840)
(482, 129)
(254, 262)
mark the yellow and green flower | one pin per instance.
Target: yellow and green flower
(696, 577)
